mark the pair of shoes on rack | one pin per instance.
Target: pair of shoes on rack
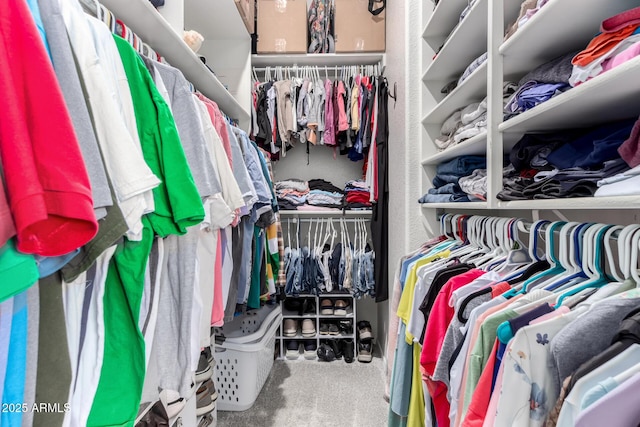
(365, 342)
(336, 349)
(291, 326)
(329, 328)
(301, 306)
(206, 398)
(332, 327)
(293, 349)
(329, 307)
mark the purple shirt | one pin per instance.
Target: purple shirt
(620, 407)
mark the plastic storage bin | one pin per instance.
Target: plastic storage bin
(245, 358)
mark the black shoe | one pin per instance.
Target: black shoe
(293, 349)
(293, 305)
(310, 349)
(346, 327)
(326, 353)
(364, 352)
(364, 331)
(333, 329)
(336, 345)
(324, 329)
(308, 307)
(347, 350)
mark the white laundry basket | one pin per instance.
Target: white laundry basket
(245, 358)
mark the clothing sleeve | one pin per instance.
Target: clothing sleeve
(47, 183)
(7, 227)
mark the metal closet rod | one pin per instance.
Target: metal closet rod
(347, 220)
(334, 68)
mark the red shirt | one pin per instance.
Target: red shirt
(47, 184)
(436, 329)
(482, 395)
(7, 228)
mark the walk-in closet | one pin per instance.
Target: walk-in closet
(310, 213)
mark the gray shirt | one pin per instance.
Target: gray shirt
(587, 336)
(70, 84)
(189, 129)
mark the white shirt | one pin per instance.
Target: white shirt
(130, 176)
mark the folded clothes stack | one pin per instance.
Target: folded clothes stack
(291, 193)
(446, 184)
(528, 8)
(566, 164)
(357, 195)
(540, 85)
(468, 122)
(617, 43)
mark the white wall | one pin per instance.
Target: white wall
(403, 67)
(321, 165)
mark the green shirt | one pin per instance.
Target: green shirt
(177, 206)
(18, 271)
(177, 201)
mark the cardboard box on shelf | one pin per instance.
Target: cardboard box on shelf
(247, 10)
(282, 26)
(357, 30)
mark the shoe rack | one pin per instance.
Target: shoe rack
(318, 319)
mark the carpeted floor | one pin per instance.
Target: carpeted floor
(317, 394)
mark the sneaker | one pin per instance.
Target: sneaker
(364, 352)
(204, 403)
(326, 353)
(326, 307)
(173, 403)
(347, 350)
(206, 421)
(290, 328)
(204, 371)
(341, 308)
(210, 385)
(310, 349)
(364, 331)
(209, 356)
(324, 328)
(293, 349)
(346, 327)
(308, 328)
(333, 329)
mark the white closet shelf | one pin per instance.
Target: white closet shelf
(154, 30)
(319, 59)
(313, 214)
(475, 145)
(473, 89)
(466, 42)
(614, 202)
(610, 96)
(453, 205)
(551, 33)
(444, 18)
(215, 20)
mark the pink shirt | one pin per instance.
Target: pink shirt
(343, 124)
(624, 56)
(217, 312)
(219, 124)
